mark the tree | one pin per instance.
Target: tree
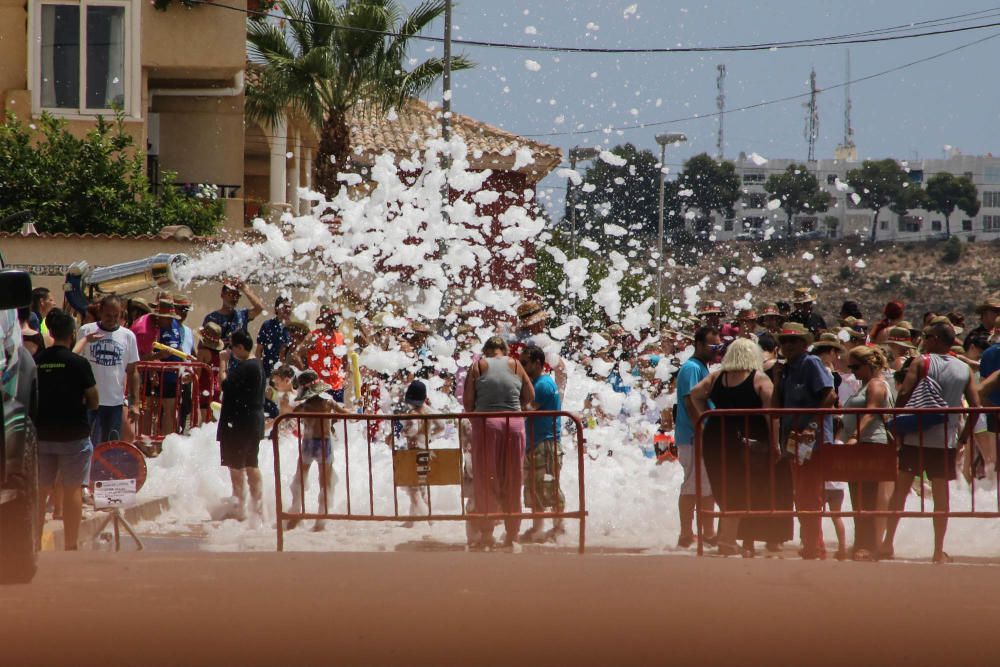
(705, 186)
(326, 61)
(881, 183)
(945, 192)
(625, 195)
(92, 184)
(799, 191)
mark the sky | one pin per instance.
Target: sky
(913, 113)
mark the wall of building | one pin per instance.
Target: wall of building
(852, 220)
(190, 40)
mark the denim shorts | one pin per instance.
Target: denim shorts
(70, 460)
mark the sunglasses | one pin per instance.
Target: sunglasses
(716, 347)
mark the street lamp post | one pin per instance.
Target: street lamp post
(576, 154)
(663, 140)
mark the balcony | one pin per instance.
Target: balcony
(198, 42)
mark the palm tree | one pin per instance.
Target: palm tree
(325, 61)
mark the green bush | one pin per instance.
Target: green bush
(952, 251)
(95, 184)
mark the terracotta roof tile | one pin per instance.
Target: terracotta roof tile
(416, 123)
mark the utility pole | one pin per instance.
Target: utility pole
(848, 130)
(721, 104)
(446, 78)
(663, 140)
(812, 117)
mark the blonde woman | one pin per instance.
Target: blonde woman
(735, 445)
(868, 365)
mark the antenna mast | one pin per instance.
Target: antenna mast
(721, 104)
(812, 117)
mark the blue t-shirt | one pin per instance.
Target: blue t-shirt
(692, 372)
(273, 336)
(235, 321)
(803, 383)
(547, 397)
(988, 365)
(171, 337)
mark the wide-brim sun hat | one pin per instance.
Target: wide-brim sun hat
(803, 295)
(829, 341)
(992, 303)
(795, 330)
(710, 308)
(211, 336)
(530, 313)
(310, 386)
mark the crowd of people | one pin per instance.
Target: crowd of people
(657, 382)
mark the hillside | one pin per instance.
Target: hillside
(837, 270)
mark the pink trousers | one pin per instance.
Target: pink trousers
(497, 460)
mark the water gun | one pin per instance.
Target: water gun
(174, 352)
(356, 373)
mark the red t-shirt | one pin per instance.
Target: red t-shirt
(324, 360)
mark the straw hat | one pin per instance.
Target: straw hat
(770, 310)
(530, 313)
(211, 336)
(901, 336)
(853, 333)
(298, 325)
(795, 330)
(140, 303)
(310, 386)
(710, 308)
(828, 340)
(941, 319)
(165, 308)
(746, 314)
(419, 327)
(803, 295)
(992, 303)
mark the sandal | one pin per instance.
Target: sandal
(863, 556)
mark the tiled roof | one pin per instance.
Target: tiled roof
(416, 123)
(107, 237)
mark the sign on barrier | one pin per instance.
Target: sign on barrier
(427, 467)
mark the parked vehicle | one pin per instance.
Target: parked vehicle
(20, 533)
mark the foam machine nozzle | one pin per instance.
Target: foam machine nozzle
(158, 271)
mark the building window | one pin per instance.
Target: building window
(83, 56)
(991, 223)
(909, 223)
(991, 175)
(727, 225)
(755, 200)
(831, 179)
(991, 199)
(883, 224)
(935, 225)
(916, 175)
(967, 225)
(757, 177)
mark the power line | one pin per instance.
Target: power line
(758, 105)
(881, 35)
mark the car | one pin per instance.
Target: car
(20, 530)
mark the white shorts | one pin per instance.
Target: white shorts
(685, 454)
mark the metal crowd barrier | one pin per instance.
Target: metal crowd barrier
(418, 468)
(830, 461)
(169, 395)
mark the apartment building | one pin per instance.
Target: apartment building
(847, 218)
(177, 76)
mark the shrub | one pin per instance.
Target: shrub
(952, 251)
(95, 184)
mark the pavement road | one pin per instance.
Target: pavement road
(516, 610)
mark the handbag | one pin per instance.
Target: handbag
(927, 394)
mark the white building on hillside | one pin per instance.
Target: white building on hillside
(845, 218)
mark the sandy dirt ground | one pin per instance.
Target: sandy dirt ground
(295, 609)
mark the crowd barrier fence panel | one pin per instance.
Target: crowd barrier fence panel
(418, 468)
(834, 461)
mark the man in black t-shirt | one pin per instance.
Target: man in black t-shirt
(241, 422)
(66, 392)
